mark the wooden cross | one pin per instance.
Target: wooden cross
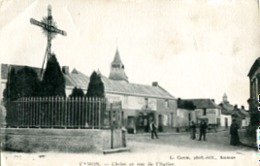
(49, 28)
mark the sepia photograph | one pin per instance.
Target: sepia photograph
(129, 82)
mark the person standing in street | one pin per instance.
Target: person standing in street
(193, 130)
(153, 129)
(203, 128)
(234, 137)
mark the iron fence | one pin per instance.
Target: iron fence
(50, 112)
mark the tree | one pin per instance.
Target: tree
(77, 92)
(23, 83)
(27, 83)
(96, 90)
(53, 83)
(95, 86)
(10, 92)
(185, 104)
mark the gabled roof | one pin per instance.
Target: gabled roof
(76, 79)
(125, 88)
(203, 103)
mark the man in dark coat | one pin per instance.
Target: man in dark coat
(193, 130)
(203, 128)
(153, 129)
(234, 138)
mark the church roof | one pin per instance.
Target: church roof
(117, 71)
(117, 59)
(118, 74)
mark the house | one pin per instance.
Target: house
(140, 103)
(229, 112)
(225, 112)
(253, 101)
(185, 114)
(206, 109)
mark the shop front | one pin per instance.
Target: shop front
(140, 122)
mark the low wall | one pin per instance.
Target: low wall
(63, 140)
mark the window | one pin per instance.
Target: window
(166, 103)
(204, 111)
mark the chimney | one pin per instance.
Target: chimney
(65, 69)
(155, 83)
(243, 107)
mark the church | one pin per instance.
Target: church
(140, 103)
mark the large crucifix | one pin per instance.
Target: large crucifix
(50, 30)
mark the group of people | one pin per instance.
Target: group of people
(234, 136)
(203, 130)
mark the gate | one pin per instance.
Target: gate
(118, 135)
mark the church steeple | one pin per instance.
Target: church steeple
(117, 69)
(225, 98)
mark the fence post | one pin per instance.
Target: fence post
(76, 113)
(99, 113)
(112, 127)
(92, 111)
(52, 111)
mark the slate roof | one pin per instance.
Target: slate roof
(122, 87)
(76, 79)
(203, 103)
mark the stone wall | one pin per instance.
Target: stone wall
(63, 140)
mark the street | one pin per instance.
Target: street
(219, 141)
(169, 150)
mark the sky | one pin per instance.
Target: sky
(192, 48)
